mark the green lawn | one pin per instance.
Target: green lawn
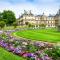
(4, 55)
(49, 35)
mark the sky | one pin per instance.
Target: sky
(36, 6)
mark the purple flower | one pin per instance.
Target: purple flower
(10, 48)
(30, 55)
(46, 57)
(4, 44)
(17, 50)
(40, 44)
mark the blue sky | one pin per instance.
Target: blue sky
(37, 6)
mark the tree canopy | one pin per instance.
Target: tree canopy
(15, 24)
(2, 24)
(8, 17)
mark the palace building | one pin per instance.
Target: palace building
(49, 21)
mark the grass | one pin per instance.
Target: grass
(49, 35)
(4, 55)
(12, 27)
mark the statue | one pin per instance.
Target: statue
(25, 12)
(30, 13)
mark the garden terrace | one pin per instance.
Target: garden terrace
(30, 49)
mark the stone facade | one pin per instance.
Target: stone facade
(49, 21)
(57, 18)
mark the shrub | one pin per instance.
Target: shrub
(53, 52)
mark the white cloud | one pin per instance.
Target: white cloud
(36, 8)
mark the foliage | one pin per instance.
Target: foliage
(30, 25)
(16, 43)
(3, 35)
(31, 48)
(42, 25)
(2, 24)
(54, 52)
(59, 28)
(15, 24)
(1, 16)
(26, 23)
(9, 17)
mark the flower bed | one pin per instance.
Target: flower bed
(23, 53)
(30, 50)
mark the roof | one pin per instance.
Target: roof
(58, 13)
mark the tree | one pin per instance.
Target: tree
(26, 23)
(43, 25)
(30, 25)
(2, 24)
(15, 24)
(9, 17)
(1, 16)
(59, 28)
